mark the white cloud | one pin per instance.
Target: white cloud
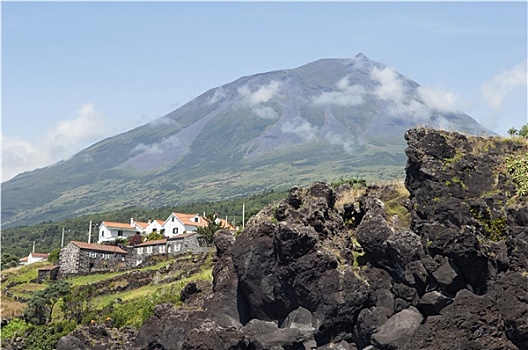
(496, 90)
(347, 95)
(439, 99)
(349, 145)
(265, 112)
(218, 95)
(301, 128)
(390, 86)
(166, 144)
(261, 95)
(66, 138)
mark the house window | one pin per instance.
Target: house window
(92, 255)
(172, 219)
(149, 250)
(120, 233)
(140, 250)
(162, 249)
(106, 256)
(177, 247)
(162, 231)
(175, 230)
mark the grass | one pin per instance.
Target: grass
(93, 278)
(11, 308)
(393, 200)
(24, 274)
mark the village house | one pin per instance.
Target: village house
(109, 231)
(33, 258)
(80, 257)
(179, 223)
(175, 224)
(47, 273)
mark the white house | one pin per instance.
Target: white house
(179, 223)
(154, 226)
(33, 258)
(109, 231)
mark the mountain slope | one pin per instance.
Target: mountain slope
(323, 120)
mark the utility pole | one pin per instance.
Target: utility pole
(90, 233)
(243, 214)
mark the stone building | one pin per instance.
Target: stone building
(180, 244)
(47, 273)
(80, 257)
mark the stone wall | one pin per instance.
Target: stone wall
(69, 259)
(177, 245)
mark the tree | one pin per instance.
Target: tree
(512, 132)
(53, 256)
(135, 239)
(8, 260)
(154, 236)
(213, 224)
(77, 304)
(40, 307)
(524, 131)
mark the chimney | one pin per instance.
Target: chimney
(132, 222)
(33, 246)
(149, 222)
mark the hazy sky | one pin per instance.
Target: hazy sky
(74, 73)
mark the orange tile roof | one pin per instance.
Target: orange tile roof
(120, 225)
(154, 242)
(24, 259)
(99, 247)
(186, 219)
(143, 225)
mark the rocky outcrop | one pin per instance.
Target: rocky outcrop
(317, 271)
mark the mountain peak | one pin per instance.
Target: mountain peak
(326, 119)
(361, 56)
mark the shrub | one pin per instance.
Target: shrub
(15, 327)
(46, 337)
(517, 166)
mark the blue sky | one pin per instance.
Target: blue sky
(74, 73)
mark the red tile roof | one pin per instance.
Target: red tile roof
(40, 255)
(24, 259)
(183, 235)
(99, 247)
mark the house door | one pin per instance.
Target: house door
(91, 267)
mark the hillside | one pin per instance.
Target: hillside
(270, 131)
(439, 262)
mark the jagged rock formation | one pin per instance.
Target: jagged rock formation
(318, 270)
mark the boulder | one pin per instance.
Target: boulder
(69, 342)
(398, 331)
